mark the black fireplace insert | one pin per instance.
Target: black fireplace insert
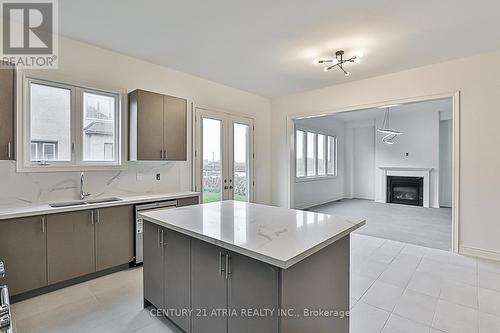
(405, 190)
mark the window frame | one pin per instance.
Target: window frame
(77, 163)
(316, 177)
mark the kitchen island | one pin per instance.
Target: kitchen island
(239, 267)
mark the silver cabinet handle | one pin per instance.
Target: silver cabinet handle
(165, 154)
(222, 269)
(159, 240)
(162, 239)
(228, 266)
(9, 150)
(92, 217)
(42, 223)
(5, 322)
(161, 154)
(2, 269)
(98, 216)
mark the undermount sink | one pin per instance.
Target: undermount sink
(86, 202)
(103, 200)
(67, 204)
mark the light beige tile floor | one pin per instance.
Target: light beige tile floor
(395, 287)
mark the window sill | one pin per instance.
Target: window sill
(68, 168)
(314, 179)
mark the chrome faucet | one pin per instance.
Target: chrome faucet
(83, 194)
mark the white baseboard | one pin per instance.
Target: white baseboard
(363, 197)
(479, 253)
(309, 205)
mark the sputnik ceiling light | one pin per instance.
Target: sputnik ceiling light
(390, 134)
(338, 61)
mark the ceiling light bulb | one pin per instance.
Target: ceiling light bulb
(347, 73)
(326, 69)
(357, 60)
(359, 55)
(316, 61)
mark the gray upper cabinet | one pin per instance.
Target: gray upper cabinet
(177, 275)
(252, 284)
(70, 245)
(114, 236)
(208, 287)
(158, 125)
(23, 245)
(7, 79)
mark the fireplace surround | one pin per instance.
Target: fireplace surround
(405, 190)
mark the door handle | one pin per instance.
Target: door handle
(222, 269)
(42, 223)
(228, 266)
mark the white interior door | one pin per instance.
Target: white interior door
(224, 156)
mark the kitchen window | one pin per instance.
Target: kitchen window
(315, 155)
(68, 127)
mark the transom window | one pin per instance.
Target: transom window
(68, 126)
(315, 155)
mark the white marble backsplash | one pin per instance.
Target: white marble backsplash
(23, 189)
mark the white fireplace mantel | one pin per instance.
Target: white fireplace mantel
(407, 172)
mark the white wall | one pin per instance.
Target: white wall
(363, 163)
(315, 192)
(420, 140)
(445, 163)
(95, 66)
(479, 86)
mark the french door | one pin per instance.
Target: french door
(224, 156)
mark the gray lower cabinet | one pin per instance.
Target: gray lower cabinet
(7, 79)
(252, 284)
(23, 245)
(153, 280)
(177, 276)
(208, 287)
(188, 201)
(70, 245)
(114, 236)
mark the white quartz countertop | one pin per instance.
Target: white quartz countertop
(42, 209)
(278, 236)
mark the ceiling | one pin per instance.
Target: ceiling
(267, 47)
(444, 105)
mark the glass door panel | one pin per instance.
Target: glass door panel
(224, 156)
(241, 160)
(211, 160)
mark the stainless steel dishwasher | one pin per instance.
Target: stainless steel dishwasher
(138, 257)
(5, 315)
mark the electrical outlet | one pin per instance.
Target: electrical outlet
(157, 176)
(138, 176)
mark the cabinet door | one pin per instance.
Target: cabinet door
(149, 126)
(153, 264)
(114, 236)
(187, 201)
(23, 250)
(175, 126)
(177, 273)
(252, 284)
(208, 288)
(6, 113)
(70, 245)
